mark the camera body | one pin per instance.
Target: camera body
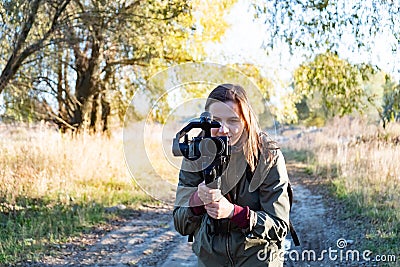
(215, 151)
(201, 146)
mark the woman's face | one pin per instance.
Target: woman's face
(232, 123)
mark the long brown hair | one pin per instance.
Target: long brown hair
(236, 93)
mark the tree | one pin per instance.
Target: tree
(331, 85)
(320, 25)
(207, 24)
(391, 102)
(27, 27)
(95, 39)
(105, 39)
(25, 31)
(345, 28)
(310, 27)
(105, 52)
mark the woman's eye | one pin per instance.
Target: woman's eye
(234, 121)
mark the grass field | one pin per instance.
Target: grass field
(359, 162)
(53, 187)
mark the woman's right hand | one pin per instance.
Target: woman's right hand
(208, 195)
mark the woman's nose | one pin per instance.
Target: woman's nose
(223, 128)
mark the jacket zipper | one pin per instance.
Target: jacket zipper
(227, 245)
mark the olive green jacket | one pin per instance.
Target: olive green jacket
(265, 193)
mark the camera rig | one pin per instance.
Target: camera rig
(213, 152)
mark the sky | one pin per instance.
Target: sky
(243, 42)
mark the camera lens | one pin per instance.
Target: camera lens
(208, 147)
(212, 146)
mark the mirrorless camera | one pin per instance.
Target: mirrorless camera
(215, 151)
(203, 145)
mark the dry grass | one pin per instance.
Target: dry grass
(150, 161)
(54, 186)
(361, 162)
(38, 162)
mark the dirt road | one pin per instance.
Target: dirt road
(148, 239)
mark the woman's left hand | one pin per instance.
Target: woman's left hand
(220, 209)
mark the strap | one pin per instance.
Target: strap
(190, 238)
(249, 173)
(294, 235)
(290, 193)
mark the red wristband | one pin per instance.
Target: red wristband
(196, 205)
(241, 216)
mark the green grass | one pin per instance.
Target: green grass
(54, 187)
(32, 226)
(372, 212)
(378, 220)
(302, 155)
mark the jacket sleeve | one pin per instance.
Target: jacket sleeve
(185, 221)
(272, 221)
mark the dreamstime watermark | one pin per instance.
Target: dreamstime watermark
(338, 254)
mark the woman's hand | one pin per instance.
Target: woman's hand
(217, 206)
(208, 195)
(220, 209)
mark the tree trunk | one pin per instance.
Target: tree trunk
(92, 111)
(105, 112)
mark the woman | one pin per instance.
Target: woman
(244, 222)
